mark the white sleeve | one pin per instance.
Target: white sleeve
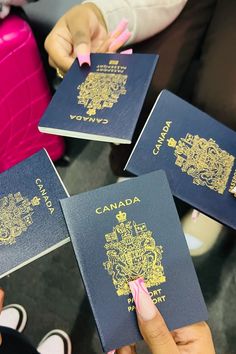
(145, 17)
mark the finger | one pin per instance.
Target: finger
(60, 51)
(1, 299)
(122, 25)
(151, 323)
(197, 335)
(129, 349)
(127, 51)
(81, 39)
(195, 214)
(1, 306)
(120, 41)
(104, 47)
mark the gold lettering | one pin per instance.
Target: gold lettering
(43, 192)
(99, 210)
(136, 200)
(161, 138)
(120, 204)
(89, 119)
(113, 206)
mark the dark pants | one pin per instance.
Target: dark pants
(197, 62)
(15, 343)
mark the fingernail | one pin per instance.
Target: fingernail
(195, 214)
(84, 59)
(111, 352)
(122, 25)
(119, 41)
(127, 51)
(144, 304)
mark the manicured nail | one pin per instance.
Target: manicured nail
(119, 41)
(111, 352)
(144, 304)
(122, 25)
(84, 59)
(195, 214)
(127, 51)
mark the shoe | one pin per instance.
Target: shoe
(201, 234)
(122, 179)
(56, 341)
(13, 316)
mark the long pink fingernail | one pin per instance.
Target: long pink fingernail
(112, 352)
(127, 51)
(119, 41)
(144, 304)
(195, 214)
(122, 25)
(84, 59)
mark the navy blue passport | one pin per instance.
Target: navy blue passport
(31, 219)
(125, 231)
(101, 102)
(197, 153)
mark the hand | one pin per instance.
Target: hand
(1, 305)
(80, 31)
(194, 339)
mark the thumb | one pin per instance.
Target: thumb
(150, 321)
(81, 39)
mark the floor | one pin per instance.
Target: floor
(52, 292)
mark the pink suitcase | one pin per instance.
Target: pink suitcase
(24, 95)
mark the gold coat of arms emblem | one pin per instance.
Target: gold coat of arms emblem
(132, 253)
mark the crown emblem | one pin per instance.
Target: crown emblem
(113, 62)
(171, 142)
(35, 201)
(15, 216)
(132, 253)
(204, 160)
(121, 217)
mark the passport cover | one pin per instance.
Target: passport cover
(121, 232)
(31, 219)
(197, 153)
(101, 102)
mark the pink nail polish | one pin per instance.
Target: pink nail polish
(119, 41)
(84, 59)
(122, 25)
(144, 304)
(195, 214)
(111, 352)
(127, 51)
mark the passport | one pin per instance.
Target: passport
(125, 231)
(197, 153)
(101, 102)
(31, 219)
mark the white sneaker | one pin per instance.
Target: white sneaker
(13, 316)
(55, 342)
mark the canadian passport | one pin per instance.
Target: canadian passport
(125, 231)
(31, 219)
(101, 102)
(197, 153)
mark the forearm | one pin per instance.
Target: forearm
(145, 17)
